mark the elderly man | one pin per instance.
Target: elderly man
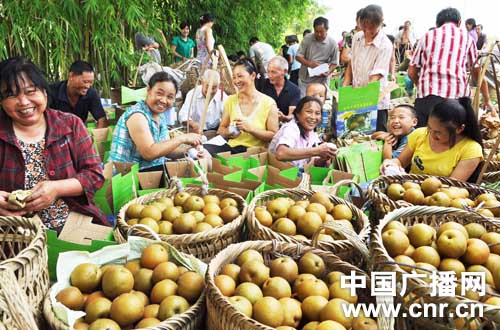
(283, 91)
(195, 99)
(77, 96)
(317, 48)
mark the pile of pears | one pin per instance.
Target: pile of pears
(301, 219)
(450, 247)
(142, 293)
(287, 295)
(432, 193)
(184, 214)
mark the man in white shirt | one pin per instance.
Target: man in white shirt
(195, 99)
(261, 53)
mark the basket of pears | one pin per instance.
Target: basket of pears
(391, 192)
(139, 284)
(194, 220)
(264, 285)
(294, 216)
(430, 241)
(24, 276)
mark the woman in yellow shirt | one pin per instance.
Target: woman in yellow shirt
(250, 118)
(449, 146)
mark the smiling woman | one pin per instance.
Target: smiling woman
(45, 151)
(141, 134)
(250, 118)
(297, 142)
(450, 145)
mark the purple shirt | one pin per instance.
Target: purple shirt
(289, 135)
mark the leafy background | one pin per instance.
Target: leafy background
(54, 33)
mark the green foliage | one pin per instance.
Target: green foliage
(57, 32)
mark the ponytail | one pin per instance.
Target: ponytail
(455, 113)
(472, 129)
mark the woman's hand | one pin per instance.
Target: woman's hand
(193, 139)
(43, 194)
(391, 167)
(8, 209)
(326, 150)
(243, 125)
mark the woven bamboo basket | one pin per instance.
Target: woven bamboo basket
(257, 231)
(193, 73)
(203, 245)
(24, 253)
(418, 290)
(192, 319)
(383, 204)
(223, 316)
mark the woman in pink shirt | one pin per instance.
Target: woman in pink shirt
(297, 142)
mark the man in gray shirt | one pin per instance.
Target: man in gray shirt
(317, 48)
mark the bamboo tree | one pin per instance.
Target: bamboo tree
(55, 33)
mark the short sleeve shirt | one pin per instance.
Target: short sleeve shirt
(183, 47)
(426, 161)
(90, 102)
(325, 51)
(123, 148)
(371, 59)
(292, 51)
(289, 96)
(289, 135)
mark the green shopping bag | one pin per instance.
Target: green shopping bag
(363, 159)
(357, 108)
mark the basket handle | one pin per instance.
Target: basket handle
(350, 235)
(488, 160)
(15, 301)
(329, 178)
(349, 182)
(146, 228)
(304, 183)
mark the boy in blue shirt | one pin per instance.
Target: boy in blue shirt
(401, 122)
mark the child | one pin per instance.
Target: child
(402, 121)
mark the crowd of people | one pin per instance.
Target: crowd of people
(278, 105)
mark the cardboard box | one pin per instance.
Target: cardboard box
(226, 162)
(275, 177)
(183, 168)
(78, 234)
(80, 229)
(102, 140)
(125, 183)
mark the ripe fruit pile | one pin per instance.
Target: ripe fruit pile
(432, 193)
(142, 293)
(185, 214)
(301, 219)
(452, 247)
(288, 295)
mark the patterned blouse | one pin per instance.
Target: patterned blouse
(123, 148)
(56, 214)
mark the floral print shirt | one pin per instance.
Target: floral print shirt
(56, 214)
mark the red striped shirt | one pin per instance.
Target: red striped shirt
(443, 56)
